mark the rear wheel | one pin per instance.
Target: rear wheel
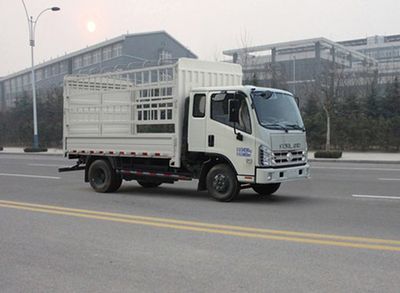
(103, 178)
(149, 184)
(266, 189)
(221, 183)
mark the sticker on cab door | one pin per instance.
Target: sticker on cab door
(243, 152)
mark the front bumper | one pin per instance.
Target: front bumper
(270, 175)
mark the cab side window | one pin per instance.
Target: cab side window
(244, 116)
(199, 105)
(220, 112)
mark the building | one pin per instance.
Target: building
(384, 49)
(295, 65)
(121, 53)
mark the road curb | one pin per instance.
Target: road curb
(32, 154)
(354, 161)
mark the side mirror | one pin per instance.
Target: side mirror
(234, 105)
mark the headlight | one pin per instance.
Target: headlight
(265, 156)
(304, 156)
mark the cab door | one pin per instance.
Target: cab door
(197, 122)
(237, 147)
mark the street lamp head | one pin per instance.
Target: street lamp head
(55, 8)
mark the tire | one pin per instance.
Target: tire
(148, 184)
(103, 178)
(117, 183)
(222, 183)
(266, 189)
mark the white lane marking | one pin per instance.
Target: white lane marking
(375, 196)
(29, 176)
(353, 168)
(44, 165)
(389, 179)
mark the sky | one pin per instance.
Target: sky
(206, 27)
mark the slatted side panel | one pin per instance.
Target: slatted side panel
(113, 114)
(122, 103)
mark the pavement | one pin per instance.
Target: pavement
(349, 157)
(336, 232)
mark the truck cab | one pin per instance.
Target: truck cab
(256, 132)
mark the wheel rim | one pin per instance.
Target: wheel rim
(220, 183)
(99, 177)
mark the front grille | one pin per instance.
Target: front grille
(287, 157)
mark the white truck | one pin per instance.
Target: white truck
(188, 120)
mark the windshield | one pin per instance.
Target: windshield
(277, 110)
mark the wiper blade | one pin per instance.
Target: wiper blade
(284, 126)
(294, 126)
(276, 125)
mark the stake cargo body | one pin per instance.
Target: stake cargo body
(139, 112)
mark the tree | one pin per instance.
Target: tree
(314, 121)
(51, 117)
(371, 105)
(391, 112)
(16, 123)
(331, 80)
(391, 101)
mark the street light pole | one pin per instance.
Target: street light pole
(32, 26)
(33, 80)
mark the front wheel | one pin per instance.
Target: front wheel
(222, 184)
(103, 178)
(266, 189)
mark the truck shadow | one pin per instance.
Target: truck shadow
(278, 198)
(192, 194)
(162, 191)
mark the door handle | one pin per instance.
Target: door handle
(211, 140)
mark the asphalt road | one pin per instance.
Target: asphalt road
(337, 232)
